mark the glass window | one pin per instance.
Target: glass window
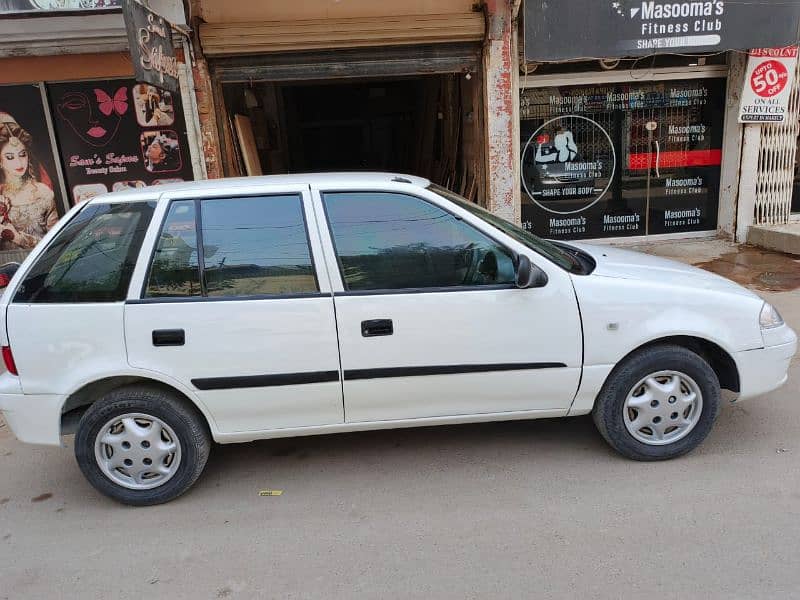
(256, 246)
(92, 257)
(387, 241)
(175, 271)
(563, 259)
(251, 247)
(621, 159)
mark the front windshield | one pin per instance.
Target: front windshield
(562, 258)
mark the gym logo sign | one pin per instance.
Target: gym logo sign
(568, 164)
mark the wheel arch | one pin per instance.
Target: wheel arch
(715, 355)
(79, 401)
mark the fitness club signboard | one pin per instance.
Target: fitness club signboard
(768, 85)
(621, 159)
(619, 28)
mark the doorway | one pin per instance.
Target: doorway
(426, 125)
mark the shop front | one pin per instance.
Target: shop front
(622, 159)
(63, 142)
(390, 86)
(76, 124)
(641, 139)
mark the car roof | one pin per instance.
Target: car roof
(312, 179)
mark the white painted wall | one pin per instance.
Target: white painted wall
(729, 188)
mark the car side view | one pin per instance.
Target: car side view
(153, 322)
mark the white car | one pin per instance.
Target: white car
(153, 321)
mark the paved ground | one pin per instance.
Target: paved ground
(518, 510)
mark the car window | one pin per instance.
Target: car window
(256, 246)
(559, 256)
(389, 241)
(175, 270)
(92, 258)
(253, 246)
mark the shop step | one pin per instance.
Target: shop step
(782, 238)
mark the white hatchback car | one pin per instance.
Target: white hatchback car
(160, 319)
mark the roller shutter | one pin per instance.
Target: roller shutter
(307, 35)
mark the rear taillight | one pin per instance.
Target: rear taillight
(4, 280)
(8, 359)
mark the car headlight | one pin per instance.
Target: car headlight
(770, 317)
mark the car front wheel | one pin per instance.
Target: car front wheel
(142, 446)
(658, 404)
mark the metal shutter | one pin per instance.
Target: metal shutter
(255, 38)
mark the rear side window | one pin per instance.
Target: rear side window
(92, 257)
(255, 246)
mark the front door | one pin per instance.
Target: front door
(430, 321)
(233, 307)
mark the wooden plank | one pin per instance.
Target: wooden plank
(237, 161)
(225, 128)
(247, 145)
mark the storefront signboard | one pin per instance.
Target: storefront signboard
(768, 85)
(118, 134)
(30, 196)
(619, 28)
(150, 40)
(53, 6)
(621, 159)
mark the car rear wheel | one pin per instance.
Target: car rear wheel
(658, 404)
(142, 446)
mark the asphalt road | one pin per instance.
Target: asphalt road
(517, 510)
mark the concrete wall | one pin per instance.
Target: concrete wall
(65, 67)
(731, 148)
(502, 111)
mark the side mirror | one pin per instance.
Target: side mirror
(529, 275)
(6, 273)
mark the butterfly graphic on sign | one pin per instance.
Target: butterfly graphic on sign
(117, 104)
(96, 121)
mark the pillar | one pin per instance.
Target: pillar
(732, 148)
(501, 110)
(207, 116)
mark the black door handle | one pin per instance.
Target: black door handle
(169, 337)
(377, 327)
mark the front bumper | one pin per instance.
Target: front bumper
(35, 419)
(766, 369)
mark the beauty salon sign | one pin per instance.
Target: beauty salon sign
(152, 52)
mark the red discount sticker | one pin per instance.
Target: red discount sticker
(769, 78)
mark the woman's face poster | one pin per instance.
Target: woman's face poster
(30, 198)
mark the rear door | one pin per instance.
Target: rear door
(232, 305)
(430, 321)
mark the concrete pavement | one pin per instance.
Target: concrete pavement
(541, 509)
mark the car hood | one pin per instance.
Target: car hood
(626, 264)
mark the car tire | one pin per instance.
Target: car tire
(142, 445)
(645, 409)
